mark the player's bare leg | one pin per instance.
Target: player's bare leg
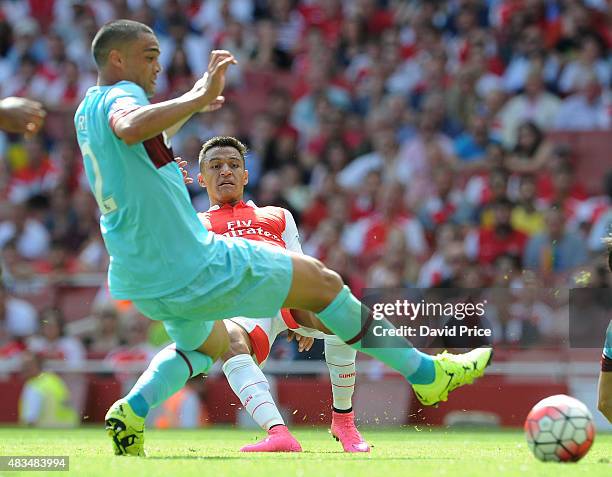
(252, 388)
(321, 290)
(167, 372)
(604, 403)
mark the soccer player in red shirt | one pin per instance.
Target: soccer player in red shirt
(223, 174)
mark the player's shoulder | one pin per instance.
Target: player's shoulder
(124, 92)
(274, 210)
(125, 88)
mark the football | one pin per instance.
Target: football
(559, 429)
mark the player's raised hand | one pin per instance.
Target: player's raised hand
(214, 78)
(200, 87)
(21, 115)
(182, 165)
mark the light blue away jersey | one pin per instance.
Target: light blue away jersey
(608, 343)
(155, 241)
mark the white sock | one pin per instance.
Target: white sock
(340, 359)
(252, 388)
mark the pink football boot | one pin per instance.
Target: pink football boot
(344, 430)
(279, 440)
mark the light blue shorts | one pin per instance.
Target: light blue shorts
(607, 351)
(243, 278)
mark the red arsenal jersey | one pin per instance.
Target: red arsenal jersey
(273, 225)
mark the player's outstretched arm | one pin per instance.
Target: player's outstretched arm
(151, 120)
(21, 115)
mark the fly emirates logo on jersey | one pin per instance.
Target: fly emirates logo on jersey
(246, 229)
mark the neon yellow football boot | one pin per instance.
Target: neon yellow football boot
(453, 371)
(126, 429)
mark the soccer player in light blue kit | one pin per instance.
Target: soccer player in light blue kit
(605, 377)
(164, 260)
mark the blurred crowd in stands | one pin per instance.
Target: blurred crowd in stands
(411, 140)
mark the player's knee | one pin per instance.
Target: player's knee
(235, 348)
(237, 342)
(332, 283)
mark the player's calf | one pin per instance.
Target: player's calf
(604, 403)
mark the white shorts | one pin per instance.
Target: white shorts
(263, 332)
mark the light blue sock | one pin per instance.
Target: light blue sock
(168, 372)
(343, 317)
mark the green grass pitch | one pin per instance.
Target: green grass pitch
(405, 452)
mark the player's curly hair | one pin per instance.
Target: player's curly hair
(222, 141)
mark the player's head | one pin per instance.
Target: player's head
(222, 169)
(127, 50)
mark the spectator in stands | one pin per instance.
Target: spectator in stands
(526, 217)
(304, 115)
(507, 272)
(446, 204)
(531, 152)
(333, 160)
(18, 321)
(462, 100)
(430, 148)
(591, 61)
(471, 146)
(555, 250)
(136, 351)
(179, 36)
(31, 237)
(535, 105)
(326, 237)
(52, 342)
(447, 262)
(179, 74)
(589, 109)
(38, 176)
(45, 399)
(488, 244)
(105, 335)
(69, 166)
(529, 55)
(266, 54)
(395, 267)
(384, 158)
(488, 194)
(602, 226)
(565, 191)
(16, 273)
(366, 238)
(60, 220)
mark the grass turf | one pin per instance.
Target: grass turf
(213, 452)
